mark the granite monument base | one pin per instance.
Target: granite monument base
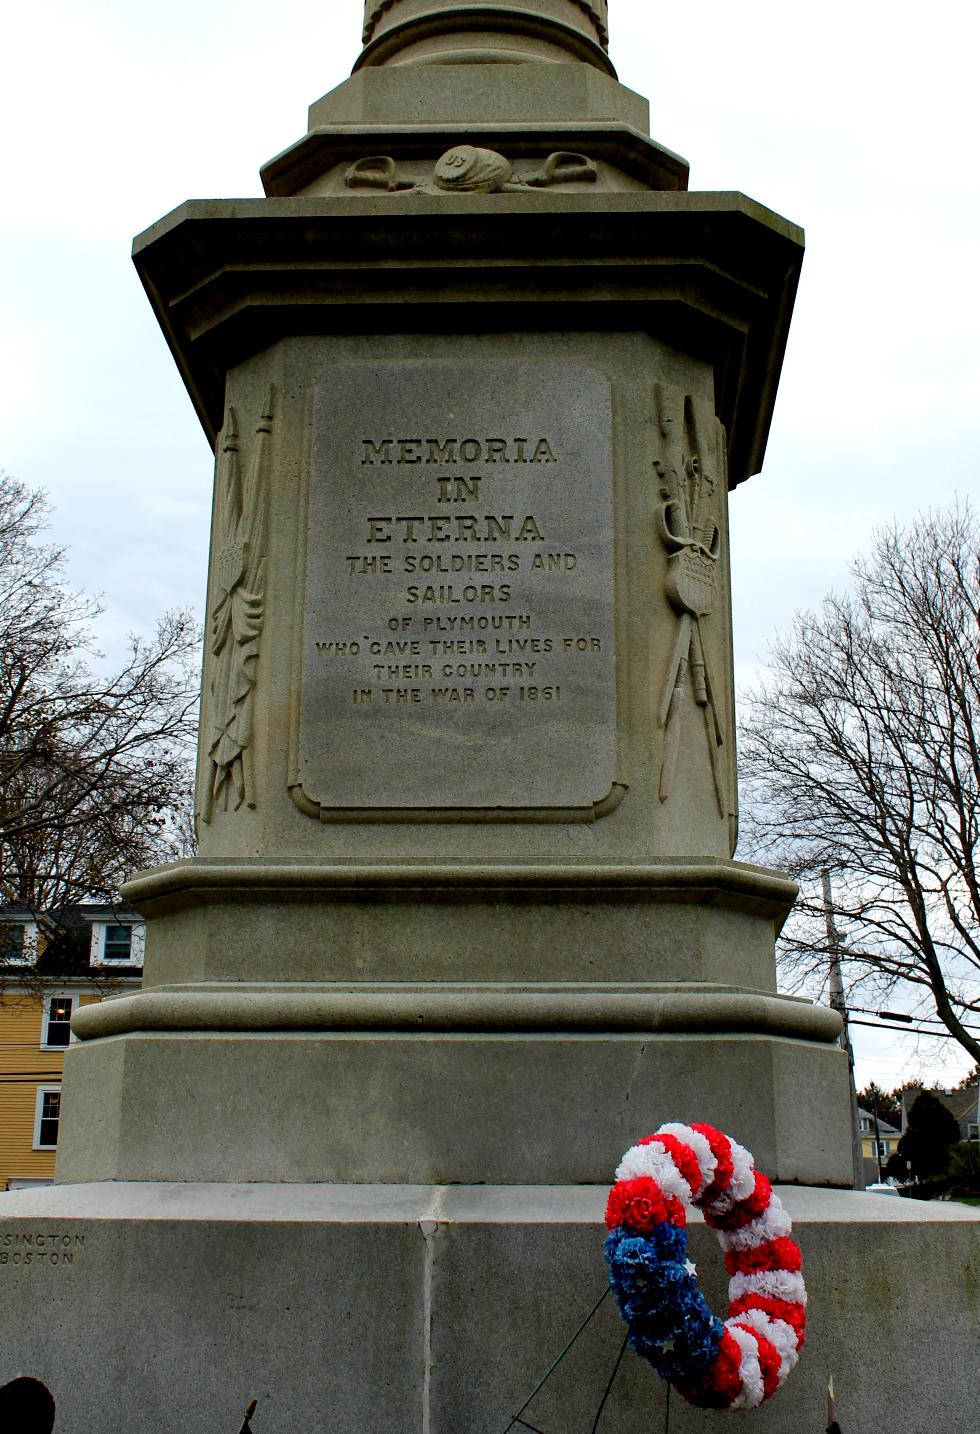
(437, 1309)
(439, 1107)
(384, 1024)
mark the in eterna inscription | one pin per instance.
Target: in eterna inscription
(457, 573)
(403, 529)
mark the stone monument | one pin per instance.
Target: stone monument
(480, 374)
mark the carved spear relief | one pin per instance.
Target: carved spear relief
(690, 468)
(237, 613)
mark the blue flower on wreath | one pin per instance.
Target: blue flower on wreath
(656, 1289)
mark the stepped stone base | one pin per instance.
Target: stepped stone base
(439, 1107)
(437, 1309)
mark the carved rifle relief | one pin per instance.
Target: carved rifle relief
(690, 469)
(237, 614)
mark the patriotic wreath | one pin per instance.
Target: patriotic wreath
(743, 1361)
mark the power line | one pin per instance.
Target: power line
(916, 1030)
(906, 1019)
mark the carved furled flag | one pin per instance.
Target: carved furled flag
(236, 615)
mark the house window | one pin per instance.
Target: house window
(56, 1023)
(47, 1115)
(883, 1148)
(118, 943)
(13, 942)
(973, 1132)
(865, 1124)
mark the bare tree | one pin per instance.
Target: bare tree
(95, 769)
(861, 756)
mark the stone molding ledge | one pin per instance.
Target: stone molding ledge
(459, 1007)
(732, 884)
(371, 1203)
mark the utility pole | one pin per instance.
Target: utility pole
(839, 1004)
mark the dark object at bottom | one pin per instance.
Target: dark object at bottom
(26, 1407)
(246, 1426)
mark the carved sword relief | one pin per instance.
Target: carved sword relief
(237, 614)
(690, 468)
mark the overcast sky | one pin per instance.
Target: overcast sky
(857, 121)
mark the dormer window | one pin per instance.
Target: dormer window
(18, 942)
(13, 939)
(118, 943)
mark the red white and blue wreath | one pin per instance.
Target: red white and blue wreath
(738, 1363)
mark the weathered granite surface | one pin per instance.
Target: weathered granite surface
(437, 1310)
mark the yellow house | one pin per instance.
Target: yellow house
(99, 951)
(33, 1030)
(879, 1141)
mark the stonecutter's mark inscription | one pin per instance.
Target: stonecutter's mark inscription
(458, 646)
(39, 1250)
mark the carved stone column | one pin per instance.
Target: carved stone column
(505, 32)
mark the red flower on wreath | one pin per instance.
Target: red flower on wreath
(640, 1204)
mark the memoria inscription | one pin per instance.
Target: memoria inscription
(458, 637)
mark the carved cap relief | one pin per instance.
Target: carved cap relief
(472, 171)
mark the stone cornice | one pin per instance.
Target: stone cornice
(714, 271)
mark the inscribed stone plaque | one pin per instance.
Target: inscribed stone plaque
(458, 637)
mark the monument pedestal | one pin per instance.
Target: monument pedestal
(479, 1034)
(436, 1310)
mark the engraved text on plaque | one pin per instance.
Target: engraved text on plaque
(458, 638)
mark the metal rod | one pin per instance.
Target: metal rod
(608, 1389)
(555, 1363)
